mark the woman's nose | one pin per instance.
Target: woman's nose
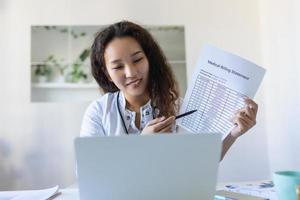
(130, 71)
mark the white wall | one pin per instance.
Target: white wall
(281, 50)
(40, 135)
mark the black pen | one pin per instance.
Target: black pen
(185, 114)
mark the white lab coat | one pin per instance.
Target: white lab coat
(102, 117)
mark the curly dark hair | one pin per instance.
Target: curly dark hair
(162, 86)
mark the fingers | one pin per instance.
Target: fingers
(246, 113)
(244, 121)
(164, 125)
(160, 125)
(251, 105)
(242, 125)
(167, 129)
(250, 109)
(244, 118)
(156, 120)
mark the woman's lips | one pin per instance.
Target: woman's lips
(135, 82)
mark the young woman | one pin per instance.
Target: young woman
(141, 93)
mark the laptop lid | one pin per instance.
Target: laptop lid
(162, 166)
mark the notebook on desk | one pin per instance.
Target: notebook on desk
(162, 166)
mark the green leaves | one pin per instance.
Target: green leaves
(42, 70)
(85, 53)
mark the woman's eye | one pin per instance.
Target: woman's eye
(137, 60)
(117, 67)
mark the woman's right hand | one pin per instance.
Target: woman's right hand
(159, 125)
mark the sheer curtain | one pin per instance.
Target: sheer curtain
(280, 30)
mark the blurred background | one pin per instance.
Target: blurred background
(45, 83)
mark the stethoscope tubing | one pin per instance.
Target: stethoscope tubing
(120, 113)
(123, 121)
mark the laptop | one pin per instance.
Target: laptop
(161, 167)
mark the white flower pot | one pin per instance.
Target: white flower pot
(42, 79)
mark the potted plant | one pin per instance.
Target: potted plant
(42, 73)
(77, 74)
(51, 61)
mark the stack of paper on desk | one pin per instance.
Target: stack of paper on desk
(225, 195)
(218, 89)
(263, 189)
(30, 194)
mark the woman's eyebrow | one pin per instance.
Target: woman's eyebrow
(137, 52)
(116, 61)
(119, 60)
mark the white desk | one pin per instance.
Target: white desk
(72, 193)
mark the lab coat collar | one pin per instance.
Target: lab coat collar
(122, 101)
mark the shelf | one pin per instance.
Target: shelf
(60, 41)
(65, 85)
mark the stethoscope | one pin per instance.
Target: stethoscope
(123, 121)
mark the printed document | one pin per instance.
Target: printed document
(264, 189)
(220, 84)
(44, 194)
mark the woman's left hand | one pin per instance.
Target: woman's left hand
(245, 118)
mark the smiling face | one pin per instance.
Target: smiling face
(127, 66)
